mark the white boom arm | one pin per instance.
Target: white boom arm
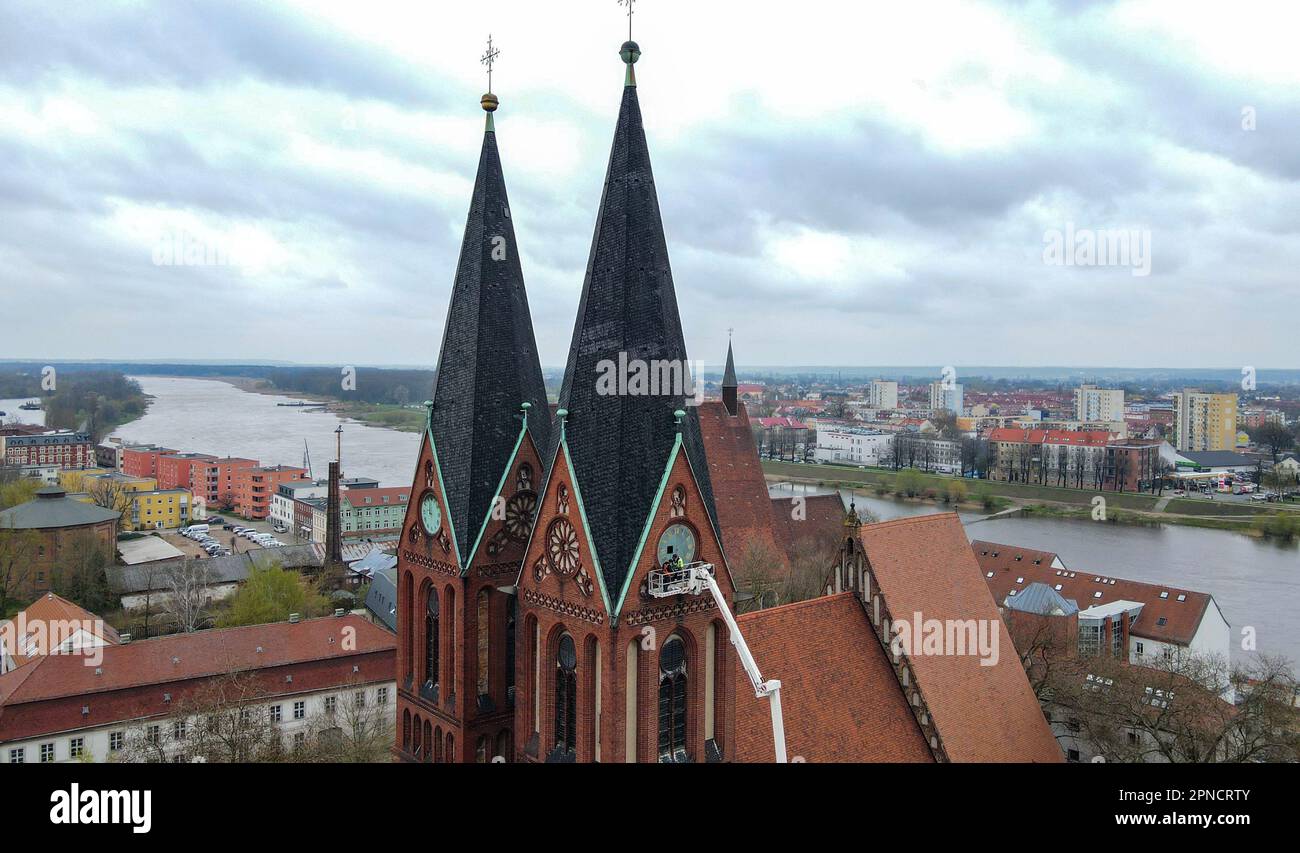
(694, 579)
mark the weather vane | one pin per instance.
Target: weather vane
(488, 59)
(629, 4)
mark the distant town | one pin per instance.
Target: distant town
(189, 541)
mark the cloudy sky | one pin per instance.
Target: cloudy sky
(842, 183)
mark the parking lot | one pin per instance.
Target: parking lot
(226, 538)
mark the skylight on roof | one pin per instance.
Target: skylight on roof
(1182, 597)
(1164, 595)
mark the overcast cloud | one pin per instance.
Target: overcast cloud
(841, 183)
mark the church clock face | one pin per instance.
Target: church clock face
(562, 547)
(677, 541)
(430, 514)
(519, 515)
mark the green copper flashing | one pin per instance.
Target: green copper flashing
(501, 485)
(582, 511)
(442, 487)
(649, 522)
(586, 528)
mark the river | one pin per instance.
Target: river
(13, 414)
(1255, 582)
(206, 416)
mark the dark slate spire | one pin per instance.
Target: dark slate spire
(488, 367)
(729, 386)
(620, 443)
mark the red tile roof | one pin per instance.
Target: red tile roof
(924, 565)
(1074, 438)
(1182, 617)
(48, 694)
(839, 696)
(46, 614)
(397, 495)
(739, 488)
(805, 521)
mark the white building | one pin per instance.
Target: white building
(48, 475)
(949, 396)
(852, 446)
(928, 452)
(882, 394)
(60, 709)
(1093, 404)
(281, 511)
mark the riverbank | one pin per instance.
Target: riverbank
(1044, 501)
(385, 416)
(219, 418)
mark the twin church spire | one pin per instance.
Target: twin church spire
(619, 443)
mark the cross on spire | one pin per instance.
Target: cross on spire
(629, 4)
(489, 59)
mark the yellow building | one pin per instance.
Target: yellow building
(1205, 421)
(159, 509)
(74, 480)
(150, 509)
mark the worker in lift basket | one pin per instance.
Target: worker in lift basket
(676, 563)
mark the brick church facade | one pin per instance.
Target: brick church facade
(527, 631)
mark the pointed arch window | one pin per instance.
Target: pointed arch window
(484, 628)
(432, 635)
(672, 701)
(566, 699)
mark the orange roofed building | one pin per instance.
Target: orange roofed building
(920, 569)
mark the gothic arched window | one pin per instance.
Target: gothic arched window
(566, 696)
(484, 627)
(672, 701)
(432, 626)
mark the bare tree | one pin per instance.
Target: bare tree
(188, 596)
(354, 729)
(758, 572)
(223, 720)
(1173, 708)
(111, 494)
(18, 552)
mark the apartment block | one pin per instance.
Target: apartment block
(254, 487)
(1205, 421)
(1094, 404)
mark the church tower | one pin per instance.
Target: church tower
(729, 386)
(605, 671)
(474, 496)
